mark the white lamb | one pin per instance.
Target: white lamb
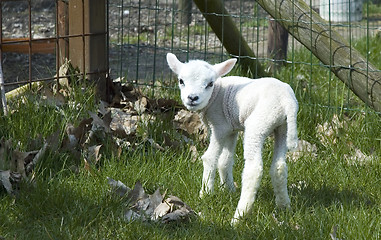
(231, 104)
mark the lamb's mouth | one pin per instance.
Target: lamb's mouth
(192, 106)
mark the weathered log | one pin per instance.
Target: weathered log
(277, 43)
(225, 29)
(329, 47)
(185, 7)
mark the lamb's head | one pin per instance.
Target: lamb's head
(196, 79)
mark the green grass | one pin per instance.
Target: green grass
(68, 202)
(371, 9)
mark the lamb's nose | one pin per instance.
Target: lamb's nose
(193, 97)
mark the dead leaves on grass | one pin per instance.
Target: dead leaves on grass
(191, 124)
(9, 180)
(155, 207)
(334, 132)
(16, 165)
(118, 121)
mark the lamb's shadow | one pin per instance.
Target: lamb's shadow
(307, 196)
(327, 196)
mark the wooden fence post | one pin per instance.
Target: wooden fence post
(88, 41)
(277, 43)
(62, 30)
(185, 7)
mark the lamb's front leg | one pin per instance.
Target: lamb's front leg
(226, 161)
(210, 159)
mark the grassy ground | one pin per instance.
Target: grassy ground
(330, 194)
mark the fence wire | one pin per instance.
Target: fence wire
(143, 31)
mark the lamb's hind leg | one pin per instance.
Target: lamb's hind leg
(278, 170)
(226, 162)
(252, 172)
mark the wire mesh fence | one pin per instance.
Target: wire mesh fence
(37, 36)
(143, 31)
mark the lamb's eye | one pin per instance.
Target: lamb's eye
(181, 82)
(209, 85)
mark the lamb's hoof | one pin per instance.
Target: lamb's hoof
(230, 188)
(236, 218)
(283, 203)
(234, 222)
(284, 208)
(202, 194)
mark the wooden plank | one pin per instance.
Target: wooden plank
(362, 77)
(21, 45)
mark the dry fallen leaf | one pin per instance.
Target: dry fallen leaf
(5, 181)
(103, 107)
(178, 210)
(136, 193)
(99, 124)
(132, 215)
(359, 158)
(304, 148)
(76, 135)
(141, 105)
(181, 214)
(18, 161)
(162, 209)
(331, 132)
(155, 200)
(151, 207)
(9, 180)
(190, 123)
(65, 70)
(194, 153)
(29, 165)
(123, 124)
(118, 187)
(16, 165)
(162, 105)
(92, 154)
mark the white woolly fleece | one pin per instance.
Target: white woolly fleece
(227, 105)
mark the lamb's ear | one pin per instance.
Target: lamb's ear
(224, 67)
(174, 63)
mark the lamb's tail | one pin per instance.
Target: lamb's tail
(292, 131)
